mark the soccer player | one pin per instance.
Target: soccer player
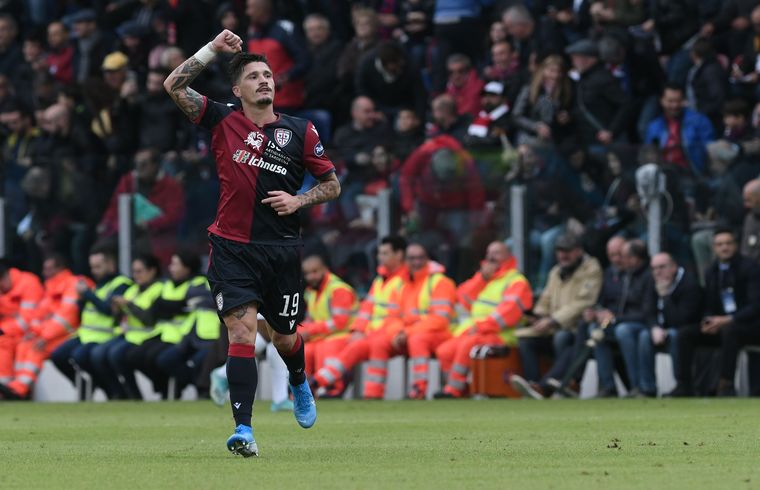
(254, 258)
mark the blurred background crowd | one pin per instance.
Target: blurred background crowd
(445, 104)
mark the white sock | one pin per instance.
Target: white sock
(279, 374)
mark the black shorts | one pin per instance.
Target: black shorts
(269, 275)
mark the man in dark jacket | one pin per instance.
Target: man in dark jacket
(732, 314)
(678, 305)
(627, 316)
(706, 82)
(601, 105)
(322, 88)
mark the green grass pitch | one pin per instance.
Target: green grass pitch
(501, 444)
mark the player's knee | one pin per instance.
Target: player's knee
(283, 343)
(239, 332)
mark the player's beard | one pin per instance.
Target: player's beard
(264, 101)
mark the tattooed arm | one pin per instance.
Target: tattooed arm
(177, 84)
(284, 203)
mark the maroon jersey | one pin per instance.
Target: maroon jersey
(253, 160)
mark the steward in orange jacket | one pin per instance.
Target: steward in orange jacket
(419, 324)
(54, 320)
(497, 297)
(20, 292)
(330, 308)
(373, 312)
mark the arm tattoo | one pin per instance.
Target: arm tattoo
(240, 312)
(187, 99)
(327, 190)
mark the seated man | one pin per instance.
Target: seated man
(418, 322)
(496, 297)
(732, 314)
(626, 318)
(54, 320)
(330, 306)
(679, 305)
(330, 379)
(20, 292)
(573, 286)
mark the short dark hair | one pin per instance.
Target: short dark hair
(397, 243)
(58, 258)
(390, 52)
(107, 250)
(736, 107)
(239, 62)
(703, 48)
(672, 86)
(150, 261)
(722, 230)
(190, 260)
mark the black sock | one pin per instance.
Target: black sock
(242, 377)
(295, 362)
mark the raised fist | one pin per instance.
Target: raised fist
(227, 42)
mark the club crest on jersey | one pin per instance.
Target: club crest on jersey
(219, 302)
(282, 136)
(255, 140)
(319, 150)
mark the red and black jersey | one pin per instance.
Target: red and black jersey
(253, 160)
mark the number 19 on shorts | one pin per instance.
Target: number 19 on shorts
(290, 304)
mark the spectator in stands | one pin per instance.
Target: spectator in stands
(111, 358)
(706, 82)
(53, 321)
(441, 190)
(681, 133)
(744, 72)
(736, 121)
(10, 50)
(492, 123)
(619, 13)
(457, 28)
(573, 286)
(98, 322)
(19, 152)
(92, 45)
(135, 42)
(679, 305)
(353, 145)
(279, 40)
(632, 313)
(330, 305)
(731, 24)
(732, 313)
(463, 84)
(159, 203)
(160, 125)
(418, 322)
(496, 297)
(751, 231)
(542, 111)
(446, 119)
(601, 106)
(322, 87)
(522, 29)
(386, 76)
(365, 24)
(408, 133)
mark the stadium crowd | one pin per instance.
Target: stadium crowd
(588, 104)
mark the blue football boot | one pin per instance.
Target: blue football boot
(242, 442)
(304, 407)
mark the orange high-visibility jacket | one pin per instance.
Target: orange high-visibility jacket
(425, 303)
(516, 299)
(336, 311)
(374, 308)
(17, 306)
(58, 312)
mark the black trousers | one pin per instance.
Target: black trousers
(730, 340)
(143, 358)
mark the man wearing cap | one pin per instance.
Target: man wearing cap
(601, 105)
(491, 122)
(91, 47)
(573, 286)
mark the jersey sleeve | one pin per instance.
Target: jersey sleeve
(212, 113)
(314, 157)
